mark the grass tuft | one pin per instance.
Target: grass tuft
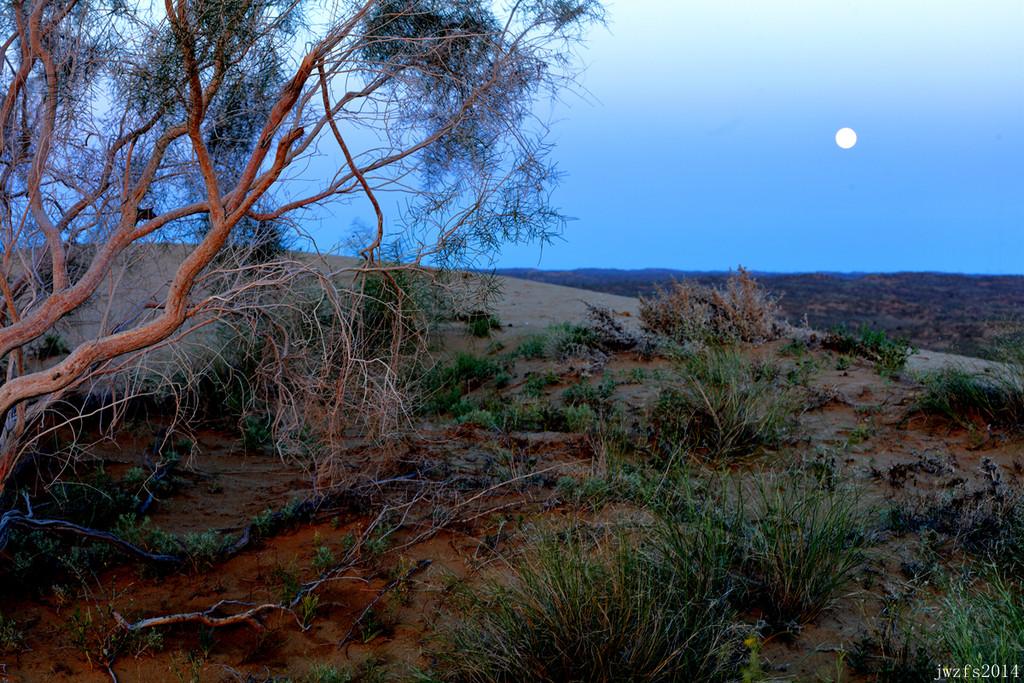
(576, 612)
(724, 406)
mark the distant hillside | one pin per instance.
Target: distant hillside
(962, 313)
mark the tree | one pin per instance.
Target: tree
(122, 127)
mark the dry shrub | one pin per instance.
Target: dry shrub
(689, 311)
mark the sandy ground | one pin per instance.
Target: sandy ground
(131, 293)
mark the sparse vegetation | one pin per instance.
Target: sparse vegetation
(968, 398)
(723, 406)
(889, 354)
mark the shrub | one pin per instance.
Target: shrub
(577, 613)
(987, 522)
(723, 405)
(802, 548)
(480, 418)
(688, 311)
(887, 353)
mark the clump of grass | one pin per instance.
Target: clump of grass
(889, 354)
(52, 345)
(803, 546)
(445, 384)
(561, 341)
(594, 395)
(687, 311)
(963, 397)
(536, 383)
(723, 405)
(984, 626)
(575, 612)
(481, 323)
(894, 650)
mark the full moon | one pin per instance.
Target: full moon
(846, 137)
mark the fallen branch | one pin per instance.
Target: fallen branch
(16, 518)
(207, 617)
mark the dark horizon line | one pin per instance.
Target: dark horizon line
(653, 269)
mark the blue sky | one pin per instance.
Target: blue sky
(707, 139)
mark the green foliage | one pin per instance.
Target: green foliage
(896, 650)
(52, 345)
(723, 405)
(983, 626)
(584, 393)
(561, 341)
(444, 385)
(888, 354)
(575, 612)
(579, 418)
(11, 635)
(256, 431)
(395, 304)
(995, 398)
(536, 383)
(803, 545)
(204, 548)
(533, 347)
(325, 673)
(481, 323)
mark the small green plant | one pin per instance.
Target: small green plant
(256, 431)
(983, 626)
(533, 347)
(579, 418)
(323, 559)
(859, 434)
(325, 673)
(803, 546)
(723, 405)
(536, 383)
(596, 396)
(479, 417)
(889, 354)
(895, 650)
(307, 608)
(52, 345)
(204, 548)
(11, 635)
(966, 398)
(444, 386)
(481, 323)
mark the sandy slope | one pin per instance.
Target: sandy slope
(523, 306)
